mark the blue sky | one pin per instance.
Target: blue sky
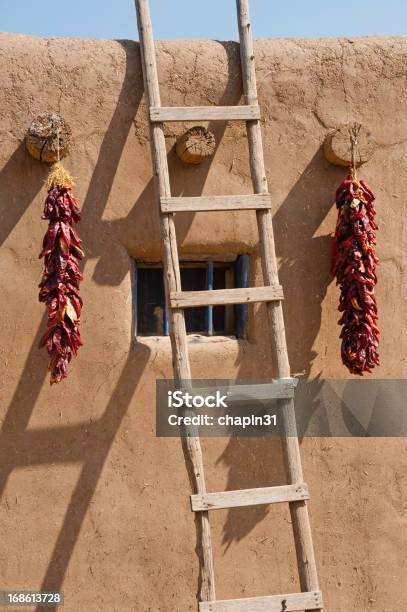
(205, 19)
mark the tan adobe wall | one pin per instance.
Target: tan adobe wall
(91, 501)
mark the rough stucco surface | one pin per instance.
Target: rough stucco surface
(91, 501)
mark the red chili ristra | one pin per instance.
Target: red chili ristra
(59, 287)
(354, 265)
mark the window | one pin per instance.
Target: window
(149, 299)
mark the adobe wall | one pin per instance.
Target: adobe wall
(91, 501)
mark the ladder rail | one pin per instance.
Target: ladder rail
(298, 509)
(172, 279)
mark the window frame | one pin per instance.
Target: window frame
(237, 275)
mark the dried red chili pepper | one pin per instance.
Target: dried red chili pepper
(354, 265)
(59, 287)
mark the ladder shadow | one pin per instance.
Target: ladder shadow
(100, 438)
(16, 194)
(185, 179)
(86, 443)
(305, 275)
(21, 407)
(94, 231)
(192, 180)
(305, 258)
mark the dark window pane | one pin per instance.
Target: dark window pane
(194, 279)
(150, 301)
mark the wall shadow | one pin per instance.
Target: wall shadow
(185, 180)
(306, 257)
(21, 179)
(22, 447)
(99, 441)
(21, 406)
(246, 460)
(93, 232)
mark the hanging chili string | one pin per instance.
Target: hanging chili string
(354, 265)
(59, 287)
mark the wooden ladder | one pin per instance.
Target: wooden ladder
(296, 492)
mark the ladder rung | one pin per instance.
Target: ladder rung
(220, 297)
(249, 497)
(204, 113)
(292, 602)
(280, 388)
(208, 203)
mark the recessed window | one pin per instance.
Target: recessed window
(149, 298)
